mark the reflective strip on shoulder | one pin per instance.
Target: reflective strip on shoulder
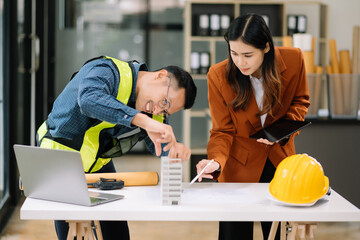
(159, 118)
(125, 86)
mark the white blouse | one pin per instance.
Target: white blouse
(258, 89)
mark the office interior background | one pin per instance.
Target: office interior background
(42, 43)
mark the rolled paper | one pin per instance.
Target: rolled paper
(287, 41)
(309, 62)
(337, 96)
(313, 44)
(129, 178)
(333, 57)
(355, 50)
(345, 70)
(345, 62)
(355, 69)
(317, 88)
(328, 69)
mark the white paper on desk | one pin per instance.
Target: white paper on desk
(211, 196)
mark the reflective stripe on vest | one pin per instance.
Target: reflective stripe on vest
(90, 147)
(91, 142)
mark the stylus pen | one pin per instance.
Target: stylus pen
(202, 171)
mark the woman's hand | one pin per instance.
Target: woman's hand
(265, 141)
(210, 169)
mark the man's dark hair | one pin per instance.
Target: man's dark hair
(184, 80)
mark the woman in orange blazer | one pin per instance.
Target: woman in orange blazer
(257, 85)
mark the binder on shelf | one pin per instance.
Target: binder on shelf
(203, 25)
(225, 23)
(214, 25)
(291, 24)
(266, 19)
(296, 24)
(204, 62)
(301, 23)
(195, 62)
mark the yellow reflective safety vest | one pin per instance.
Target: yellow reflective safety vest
(92, 159)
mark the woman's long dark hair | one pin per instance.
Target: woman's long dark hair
(251, 29)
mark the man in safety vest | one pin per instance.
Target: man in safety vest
(108, 99)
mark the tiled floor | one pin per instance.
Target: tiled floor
(44, 230)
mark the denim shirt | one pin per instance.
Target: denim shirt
(90, 97)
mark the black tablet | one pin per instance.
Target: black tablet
(280, 129)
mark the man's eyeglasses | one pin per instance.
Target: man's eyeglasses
(165, 104)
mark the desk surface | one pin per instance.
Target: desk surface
(199, 202)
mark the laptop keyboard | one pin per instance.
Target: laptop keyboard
(95, 200)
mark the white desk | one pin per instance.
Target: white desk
(200, 202)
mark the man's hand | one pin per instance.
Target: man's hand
(179, 150)
(158, 132)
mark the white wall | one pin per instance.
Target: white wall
(343, 16)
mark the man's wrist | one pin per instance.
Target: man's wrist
(140, 120)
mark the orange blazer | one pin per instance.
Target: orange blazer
(242, 159)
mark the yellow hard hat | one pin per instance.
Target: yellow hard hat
(299, 179)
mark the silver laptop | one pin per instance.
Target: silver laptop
(56, 175)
